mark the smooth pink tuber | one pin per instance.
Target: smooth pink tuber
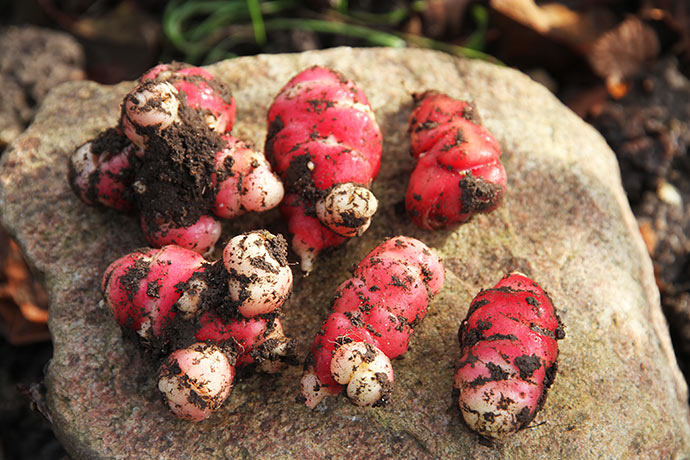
(508, 356)
(324, 142)
(374, 315)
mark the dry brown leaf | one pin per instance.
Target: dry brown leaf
(624, 51)
(17, 329)
(648, 235)
(443, 17)
(23, 302)
(539, 18)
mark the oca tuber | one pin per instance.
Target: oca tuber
(508, 356)
(325, 143)
(458, 171)
(173, 161)
(102, 170)
(374, 314)
(172, 298)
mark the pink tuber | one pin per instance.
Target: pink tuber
(171, 297)
(186, 170)
(458, 171)
(374, 314)
(142, 289)
(102, 170)
(508, 356)
(324, 142)
(202, 93)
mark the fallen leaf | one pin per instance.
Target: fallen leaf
(624, 51)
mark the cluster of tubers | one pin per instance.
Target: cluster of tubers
(172, 160)
(214, 316)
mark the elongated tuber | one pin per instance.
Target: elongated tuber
(374, 315)
(458, 171)
(508, 356)
(325, 143)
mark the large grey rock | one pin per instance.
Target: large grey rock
(565, 221)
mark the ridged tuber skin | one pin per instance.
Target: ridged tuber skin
(196, 381)
(324, 142)
(374, 314)
(102, 170)
(142, 288)
(173, 161)
(509, 353)
(258, 340)
(172, 298)
(458, 171)
(201, 91)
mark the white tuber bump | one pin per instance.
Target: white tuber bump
(195, 381)
(312, 388)
(188, 303)
(260, 278)
(262, 189)
(84, 163)
(347, 209)
(150, 104)
(365, 370)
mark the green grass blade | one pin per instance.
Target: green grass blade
(257, 21)
(372, 36)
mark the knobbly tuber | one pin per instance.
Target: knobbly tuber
(508, 356)
(195, 381)
(374, 314)
(172, 298)
(458, 171)
(172, 160)
(102, 170)
(324, 142)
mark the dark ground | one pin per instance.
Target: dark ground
(640, 104)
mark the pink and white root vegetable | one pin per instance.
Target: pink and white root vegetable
(258, 340)
(195, 381)
(374, 314)
(178, 167)
(102, 170)
(202, 92)
(508, 356)
(142, 289)
(324, 142)
(172, 298)
(458, 171)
